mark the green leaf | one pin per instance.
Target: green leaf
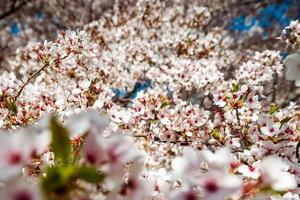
(298, 40)
(58, 179)
(90, 174)
(268, 190)
(153, 121)
(235, 87)
(164, 104)
(216, 134)
(11, 105)
(61, 144)
(273, 109)
(68, 173)
(53, 181)
(283, 121)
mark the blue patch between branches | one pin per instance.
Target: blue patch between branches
(14, 29)
(267, 17)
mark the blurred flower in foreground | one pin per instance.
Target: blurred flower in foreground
(20, 189)
(292, 62)
(19, 147)
(275, 172)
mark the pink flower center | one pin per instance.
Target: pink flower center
(14, 158)
(22, 195)
(131, 184)
(211, 186)
(190, 196)
(251, 168)
(91, 157)
(113, 155)
(129, 187)
(34, 153)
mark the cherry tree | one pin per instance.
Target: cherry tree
(154, 100)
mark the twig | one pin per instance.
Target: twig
(276, 87)
(13, 9)
(157, 139)
(238, 116)
(35, 74)
(28, 80)
(297, 151)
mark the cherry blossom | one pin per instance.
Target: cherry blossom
(277, 176)
(152, 100)
(292, 63)
(20, 189)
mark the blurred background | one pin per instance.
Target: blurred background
(255, 24)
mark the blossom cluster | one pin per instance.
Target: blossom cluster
(291, 37)
(290, 34)
(27, 20)
(212, 124)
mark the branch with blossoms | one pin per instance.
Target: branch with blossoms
(112, 162)
(30, 78)
(35, 74)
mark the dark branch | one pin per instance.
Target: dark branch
(13, 9)
(28, 80)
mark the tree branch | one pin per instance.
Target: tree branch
(157, 139)
(28, 80)
(238, 116)
(13, 8)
